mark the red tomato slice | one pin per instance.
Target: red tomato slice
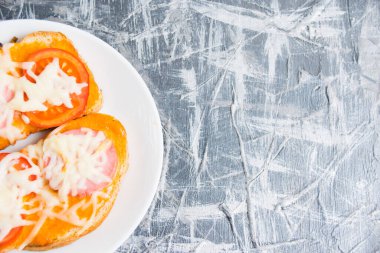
(13, 234)
(72, 66)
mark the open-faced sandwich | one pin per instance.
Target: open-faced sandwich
(58, 190)
(43, 84)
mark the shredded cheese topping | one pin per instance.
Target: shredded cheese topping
(51, 86)
(83, 154)
(74, 160)
(14, 186)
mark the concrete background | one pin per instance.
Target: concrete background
(270, 111)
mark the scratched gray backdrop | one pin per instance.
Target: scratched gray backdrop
(270, 111)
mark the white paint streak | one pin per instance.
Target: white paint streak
(87, 11)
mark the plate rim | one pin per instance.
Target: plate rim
(155, 115)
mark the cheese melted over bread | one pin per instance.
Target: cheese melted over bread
(59, 214)
(15, 185)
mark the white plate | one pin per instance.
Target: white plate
(126, 97)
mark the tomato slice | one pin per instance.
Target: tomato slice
(13, 234)
(72, 66)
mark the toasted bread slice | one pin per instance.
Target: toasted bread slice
(40, 40)
(55, 232)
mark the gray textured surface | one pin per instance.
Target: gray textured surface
(270, 111)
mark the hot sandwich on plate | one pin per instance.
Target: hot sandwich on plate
(58, 190)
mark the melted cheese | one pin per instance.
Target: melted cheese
(6, 63)
(74, 160)
(89, 145)
(53, 206)
(51, 86)
(34, 152)
(25, 119)
(14, 185)
(7, 70)
(7, 129)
